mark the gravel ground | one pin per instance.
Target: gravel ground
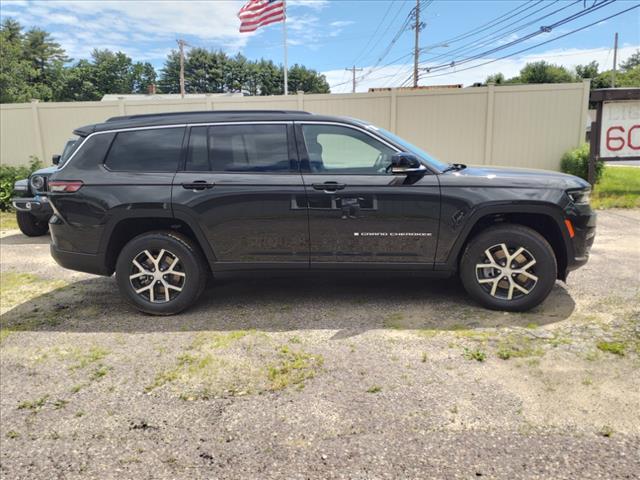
(321, 377)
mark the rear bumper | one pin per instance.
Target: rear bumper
(82, 262)
(38, 205)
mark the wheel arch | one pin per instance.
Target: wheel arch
(125, 229)
(547, 221)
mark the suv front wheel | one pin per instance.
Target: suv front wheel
(508, 267)
(161, 273)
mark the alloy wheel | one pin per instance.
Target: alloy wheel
(506, 272)
(157, 275)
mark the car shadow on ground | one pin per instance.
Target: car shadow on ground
(20, 239)
(351, 304)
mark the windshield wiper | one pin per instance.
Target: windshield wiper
(454, 167)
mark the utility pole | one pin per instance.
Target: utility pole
(615, 61)
(353, 71)
(181, 44)
(416, 49)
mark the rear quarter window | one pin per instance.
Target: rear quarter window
(155, 150)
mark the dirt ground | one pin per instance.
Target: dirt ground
(321, 377)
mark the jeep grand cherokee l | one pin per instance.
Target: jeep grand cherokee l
(165, 200)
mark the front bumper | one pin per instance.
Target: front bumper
(584, 226)
(38, 205)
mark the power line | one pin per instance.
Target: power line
(541, 30)
(384, 17)
(538, 44)
(353, 71)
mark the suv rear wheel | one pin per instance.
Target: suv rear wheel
(30, 225)
(161, 273)
(508, 267)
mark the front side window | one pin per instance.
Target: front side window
(154, 150)
(337, 149)
(239, 148)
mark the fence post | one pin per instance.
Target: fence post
(584, 114)
(300, 100)
(36, 128)
(393, 114)
(121, 106)
(488, 133)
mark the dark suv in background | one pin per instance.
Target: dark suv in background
(165, 200)
(30, 196)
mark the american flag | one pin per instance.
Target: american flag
(258, 13)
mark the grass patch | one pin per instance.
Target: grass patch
(518, 347)
(85, 358)
(218, 339)
(475, 354)
(394, 321)
(8, 221)
(17, 288)
(374, 389)
(618, 188)
(293, 368)
(34, 405)
(617, 348)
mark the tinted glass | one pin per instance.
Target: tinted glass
(335, 149)
(248, 148)
(197, 155)
(156, 150)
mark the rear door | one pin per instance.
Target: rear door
(360, 214)
(242, 186)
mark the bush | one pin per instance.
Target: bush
(576, 162)
(9, 175)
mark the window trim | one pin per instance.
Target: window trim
(292, 150)
(304, 158)
(181, 154)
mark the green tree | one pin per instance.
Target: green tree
(14, 68)
(632, 62)
(497, 78)
(543, 72)
(307, 80)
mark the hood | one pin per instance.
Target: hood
(46, 171)
(518, 177)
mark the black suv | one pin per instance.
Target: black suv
(166, 199)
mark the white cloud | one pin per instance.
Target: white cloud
(394, 75)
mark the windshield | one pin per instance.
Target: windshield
(411, 148)
(69, 148)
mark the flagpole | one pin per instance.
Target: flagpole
(284, 34)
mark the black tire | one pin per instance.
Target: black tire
(513, 237)
(191, 262)
(30, 225)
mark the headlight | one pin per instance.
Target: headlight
(580, 197)
(37, 182)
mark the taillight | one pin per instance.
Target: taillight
(64, 186)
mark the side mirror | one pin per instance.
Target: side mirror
(55, 159)
(404, 163)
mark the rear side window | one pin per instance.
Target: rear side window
(239, 148)
(155, 150)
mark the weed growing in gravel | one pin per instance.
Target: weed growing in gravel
(86, 358)
(374, 389)
(34, 405)
(424, 357)
(217, 339)
(606, 431)
(517, 347)
(12, 434)
(60, 403)
(476, 354)
(292, 368)
(4, 333)
(394, 321)
(617, 348)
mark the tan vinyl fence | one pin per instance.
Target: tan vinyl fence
(516, 125)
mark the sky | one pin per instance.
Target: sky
(330, 35)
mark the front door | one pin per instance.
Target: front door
(241, 184)
(360, 214)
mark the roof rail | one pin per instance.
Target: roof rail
(202, 112)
